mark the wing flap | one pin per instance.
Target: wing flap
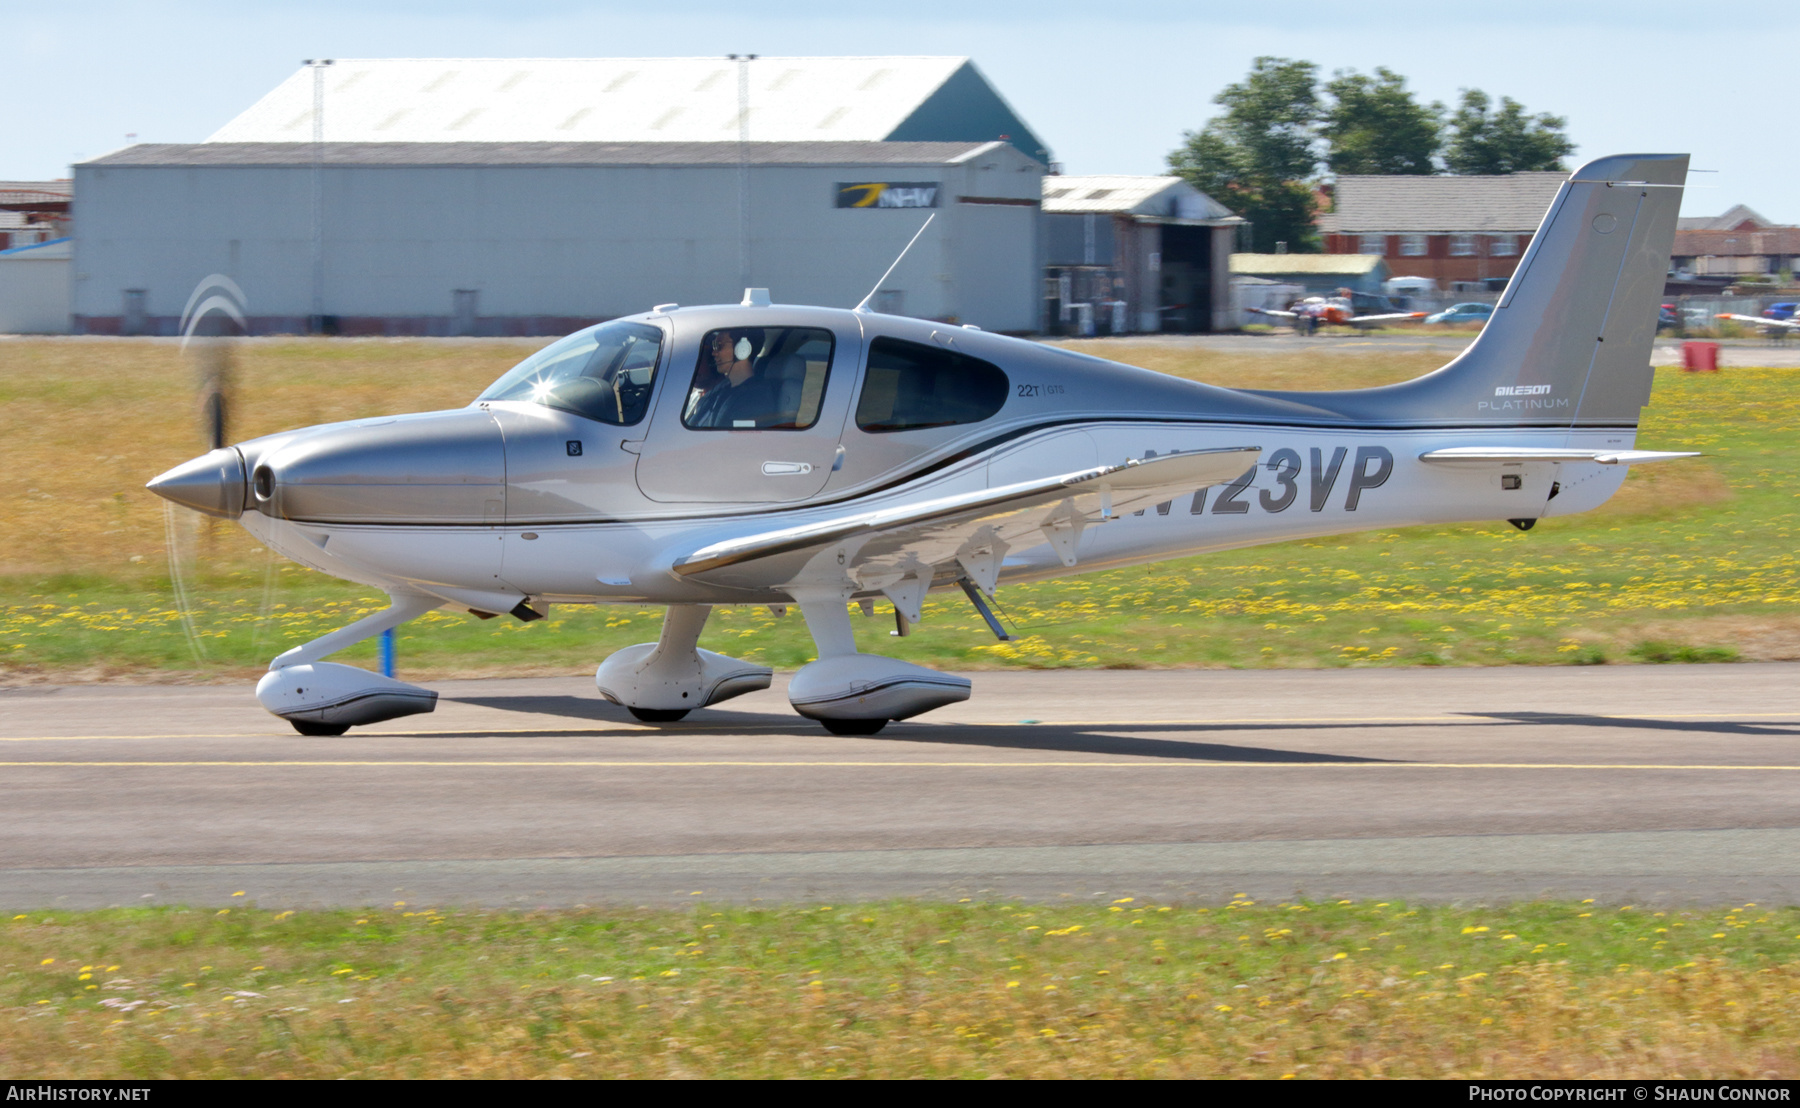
(908, 538)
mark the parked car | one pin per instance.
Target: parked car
(1368, 303)
(1462, 313)
(1667, 317)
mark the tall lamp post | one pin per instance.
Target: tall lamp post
(318, 67)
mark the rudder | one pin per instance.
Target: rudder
(1569, 342)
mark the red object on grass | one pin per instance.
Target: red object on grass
(1700, 357)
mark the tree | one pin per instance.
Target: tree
(1375, 126)
(1508, 141)
(1259, 156)
(1256, 156)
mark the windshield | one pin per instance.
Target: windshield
(602, 373)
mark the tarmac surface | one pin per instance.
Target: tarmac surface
(1635, 784)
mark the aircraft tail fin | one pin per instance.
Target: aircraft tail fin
(1569, 342)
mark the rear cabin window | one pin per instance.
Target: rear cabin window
(911, 385)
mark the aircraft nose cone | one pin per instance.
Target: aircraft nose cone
(429, 468)
(212, 483)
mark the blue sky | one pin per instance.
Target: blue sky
(1110, 86)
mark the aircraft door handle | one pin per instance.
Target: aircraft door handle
(786, 469)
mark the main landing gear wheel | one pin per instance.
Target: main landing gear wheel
(658, 715)
(854, 726)
(308, 727)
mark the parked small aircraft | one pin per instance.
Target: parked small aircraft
(766, 454)
(1316, 311)
(1770, 324)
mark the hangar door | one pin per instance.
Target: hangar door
(1187, 278)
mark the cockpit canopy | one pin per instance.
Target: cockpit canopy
(603, 373)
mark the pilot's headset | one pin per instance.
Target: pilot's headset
(749, 343)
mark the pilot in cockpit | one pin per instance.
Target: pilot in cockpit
(728, 391)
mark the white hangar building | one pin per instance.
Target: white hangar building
(507, 196)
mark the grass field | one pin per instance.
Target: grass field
(900, 989)
(1692, 561)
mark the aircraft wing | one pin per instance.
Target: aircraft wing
(1389, 317)
(1274, 312)
(899, 550)
(1761, 321)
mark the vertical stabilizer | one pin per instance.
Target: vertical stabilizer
(1569, 343)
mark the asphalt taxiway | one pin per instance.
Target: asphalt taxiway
(1642, 784)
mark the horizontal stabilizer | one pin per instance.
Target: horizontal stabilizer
(1515, 455)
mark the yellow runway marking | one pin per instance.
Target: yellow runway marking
(1147, 762)
(597, 727)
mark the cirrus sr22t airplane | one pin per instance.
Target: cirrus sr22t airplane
(767, 454)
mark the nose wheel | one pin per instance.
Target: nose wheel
(854, 726)
(308, 727)
(658, 715)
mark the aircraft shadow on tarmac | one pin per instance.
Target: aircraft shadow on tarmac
(1575, 719)
(1047, 737)
(1089, 738)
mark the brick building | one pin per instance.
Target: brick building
(1738, 243)
(1450, 229)
(32, 212)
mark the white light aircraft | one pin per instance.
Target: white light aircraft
(766, 454)
(1317, 311)
(1770, 325)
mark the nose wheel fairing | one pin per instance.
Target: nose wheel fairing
(328, 695)
(326, 698)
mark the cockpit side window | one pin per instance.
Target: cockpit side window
(910, 385)
(603, 373)
(759, 379)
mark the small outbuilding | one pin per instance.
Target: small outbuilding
(33, 211)
(1135, 254)
(34, 289)
(1318, 274)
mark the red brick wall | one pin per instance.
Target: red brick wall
(1437, 262)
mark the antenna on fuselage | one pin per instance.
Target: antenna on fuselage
(864, 306)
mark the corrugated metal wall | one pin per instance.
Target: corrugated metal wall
(544, 246)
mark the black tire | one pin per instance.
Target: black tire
(308, 727)
(658, 715)
(854, 726)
